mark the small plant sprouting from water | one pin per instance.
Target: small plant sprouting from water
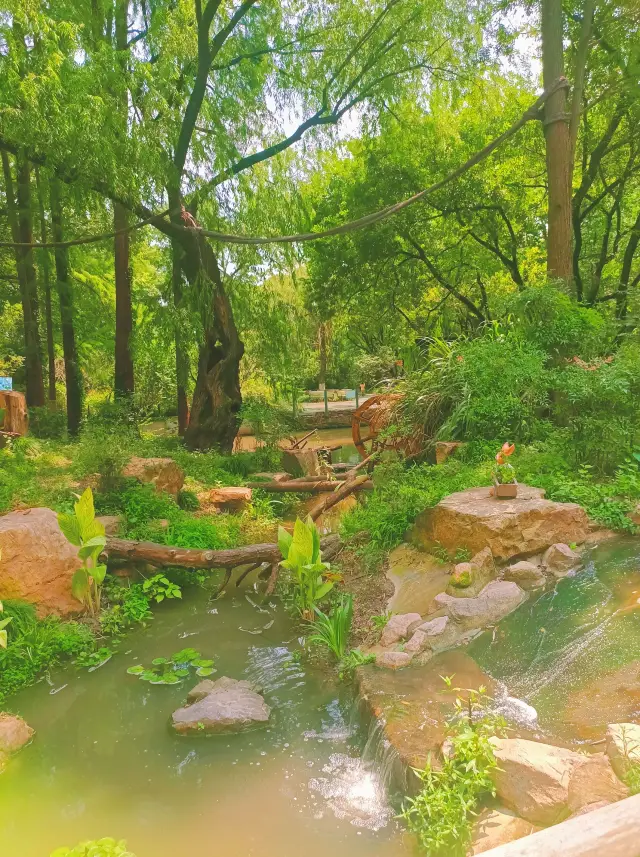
(106, 847)
(93, 660)
(160, 587)
(333, 630)
(302, 557)
(380, 620)
(439, 814)
(174, 669)
(84, 531)
(354, 658)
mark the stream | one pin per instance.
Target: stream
(104, 761)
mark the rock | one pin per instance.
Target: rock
(545, 784)
(623, 746)
(14, 734)
(559, 560)
(225, 705)
(111, 524)
(302, 462)
(445, 449)
(163, 473)
(635, 515)
(441, 633)
(38, 562)
(470, 578)
(397, 628)
(393, 660)
(497, 600)
(498, 827)
(594, 782)
(526, 574)
(418, 643)
(417, 578)
(524, 525)
(230, 499)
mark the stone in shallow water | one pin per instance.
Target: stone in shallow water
(522, 526)
(470, 578)
(441, 633)
(559, 559)
(496, 601)
(417, 578)
(418, 643)
(225, 705)
(397, 628)
(526, 574)
(498, 827)
(393, 660)
(14, 734)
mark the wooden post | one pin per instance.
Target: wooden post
(357, 398)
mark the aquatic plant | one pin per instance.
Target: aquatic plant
(160, 587)
(106, 847)
(84, 531)
(174, 669)
(439, 814)
(302, 557)
(92, 660)
(333, 630)
(354, 658)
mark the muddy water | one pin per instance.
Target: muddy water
(104, 761)
(573, 653)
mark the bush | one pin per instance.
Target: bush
(48, 423)
(97, 848)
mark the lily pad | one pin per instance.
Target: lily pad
(182, 673)
(201, 662)
(160, 661)
(205, 671)
(138, 669)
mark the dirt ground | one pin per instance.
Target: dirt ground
(371, 592)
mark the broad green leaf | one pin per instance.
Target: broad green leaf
(80, 584)
(85, 512)
(159, 661)
(302, 540)
(96, 528)
(98, 573)
(321, 591)
(200, 662)
(204, 671)
(138, 669)
(3, 639)
(92, 548)
(284, 541)
(70, 528)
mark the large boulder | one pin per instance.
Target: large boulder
(545, 784)
(560, 559)
(527, 524)
(623, 746)
(398, 628)
(498, 827)
(37, 562)
(497, 600)
(14, 734)
(526, 574)
(225, 705)
(163, 473)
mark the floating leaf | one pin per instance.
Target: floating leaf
(205, 671)
(148, 675)
(199, 662)
(159, 661)
(138, 669)
(183, 673)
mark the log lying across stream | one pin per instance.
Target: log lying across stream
(166, 555)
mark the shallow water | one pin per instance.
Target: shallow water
(573, 652)
(104, 761)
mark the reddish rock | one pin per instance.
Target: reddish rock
(393, 660)
(559, 560)
(14, 734)
(163, 473)
(445, 449)
(230, 499)
(397, 628)
(37, 562)
(526, 574)
(525, 525)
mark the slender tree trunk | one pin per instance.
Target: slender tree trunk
(182, 358)
(46, 281)
(124, 373)
(558, 149)
(322, 344)
(72, 374)
(622, 302)
(20, 222)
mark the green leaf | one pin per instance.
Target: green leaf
(284, 541)
(204, 671)
(80, 584)
(183, 673)
(159, 661)
(92, 547)
(315, 552)
(303, 540)
(138, 669)
(3, 639)
(321, 591)
(98, 573)
(85, 513)
(199, 662)
(70, 528)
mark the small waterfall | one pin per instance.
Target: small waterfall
(380, 754)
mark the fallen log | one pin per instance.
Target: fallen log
(305, 486)
(325, 503)
(166, 555)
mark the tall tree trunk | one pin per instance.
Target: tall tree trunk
(124, 374)
(46, 281)
(322, 347)
(215, 409)
(558, 149)
(182, 359)
(622, 302)
(22, 233)
(72, 374)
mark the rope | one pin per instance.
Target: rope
(533, 112)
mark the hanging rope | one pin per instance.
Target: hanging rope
(531, 113)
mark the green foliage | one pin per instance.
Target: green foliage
(160, 587)
(270, 423)
(92, 660)
(84, 531)
(332, 631)
(46, 422)
(174, 669)
(440, 813)
(36, 645)
(188, 501)
(3, 628)
(303, 559)
(352, 660)
(379, 621)
(128, 605)
(106, 847)
(632, 779)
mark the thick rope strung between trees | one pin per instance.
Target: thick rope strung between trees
(531, 113)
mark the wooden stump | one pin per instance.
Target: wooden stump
(16, 419)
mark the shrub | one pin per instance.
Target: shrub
(97, 848)
(332, 631)
(46, 422)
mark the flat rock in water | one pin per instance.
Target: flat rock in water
(526, 574)
(496, 601)
(225, 705)
(525, 525)
(560, 559)
(417, 578)
(14, 734)
(397, 628)
(623, 746)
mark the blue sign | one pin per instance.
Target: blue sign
(6, 383)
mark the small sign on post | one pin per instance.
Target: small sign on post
(6, 383)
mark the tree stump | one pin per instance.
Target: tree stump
(16, 419)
